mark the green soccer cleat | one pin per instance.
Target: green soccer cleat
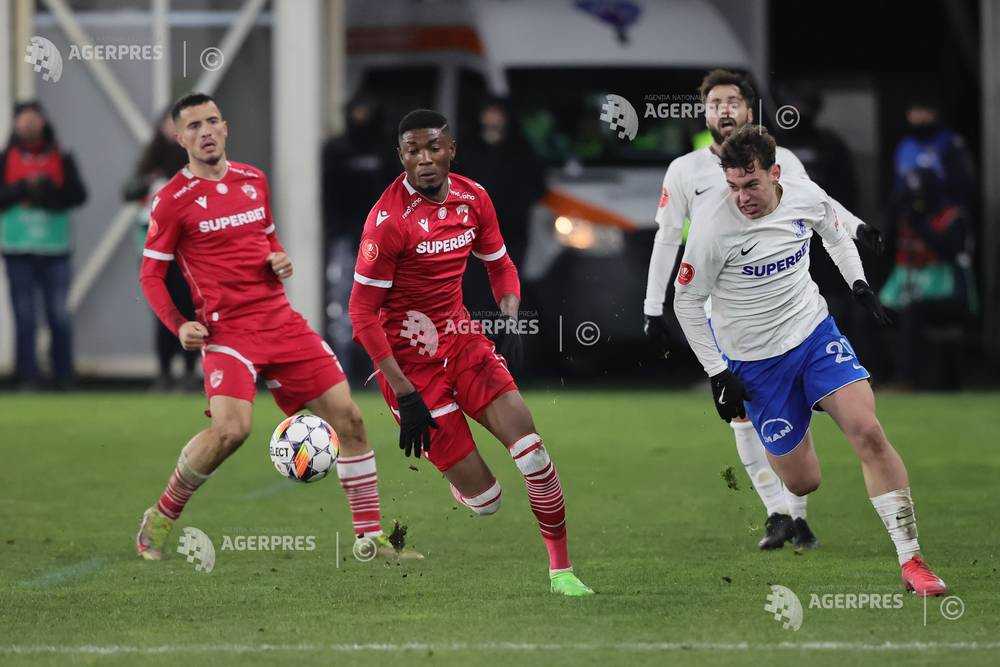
(567, 583)
(154, 529)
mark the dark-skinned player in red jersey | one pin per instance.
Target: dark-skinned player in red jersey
(214, 218)
(433, 364)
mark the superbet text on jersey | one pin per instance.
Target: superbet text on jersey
(417, 250)
(220, 234)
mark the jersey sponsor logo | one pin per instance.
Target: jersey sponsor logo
(442, 213)
(409, 209)
(215, 379)
(800, 227)
(773, 430)
(424, 224)
(446, 245)
(221, 188)
(685, 274)
(664, 197)
(468, 196)
(202, 201)
(245, 172)
(187, 188)
(235, 220)
(764, 270)
(381, 217)
(748, 250)
(369, 250)
(250, 191)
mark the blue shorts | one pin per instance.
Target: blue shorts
(785, 389)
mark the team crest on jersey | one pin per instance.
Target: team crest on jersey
(442, 213)
(215, 379)
(369, 250)
(664, 197)
(221, 188)
(250, 191)
(463, 211)
(154, 228)
(799, 226)
(685, 274)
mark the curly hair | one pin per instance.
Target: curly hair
(744, 146)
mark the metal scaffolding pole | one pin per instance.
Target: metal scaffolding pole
(297, 56)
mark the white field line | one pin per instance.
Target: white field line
(638, 647)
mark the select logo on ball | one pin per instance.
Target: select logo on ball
(685, 274)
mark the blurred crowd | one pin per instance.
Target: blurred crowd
(928, 221)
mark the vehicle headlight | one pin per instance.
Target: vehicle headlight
(590, 237)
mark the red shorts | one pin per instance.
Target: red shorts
(466, 382)
(297, 365)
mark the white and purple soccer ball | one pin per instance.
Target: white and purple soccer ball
(304, 448)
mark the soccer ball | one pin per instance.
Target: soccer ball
(304, 448)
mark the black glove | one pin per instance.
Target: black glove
(510, 344)
(415, 424)
(729, 393)
(657, 332)
(871, 238)
(864, 295)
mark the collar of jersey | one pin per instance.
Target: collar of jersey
(413, 191)
(188, 174)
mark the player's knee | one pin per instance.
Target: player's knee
(231, 434)
(530, 455)
(487, 502)
(869, 438)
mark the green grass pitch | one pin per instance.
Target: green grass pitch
(653, 528)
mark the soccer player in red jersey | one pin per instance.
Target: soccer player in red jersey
(432, 363)
(214, 217)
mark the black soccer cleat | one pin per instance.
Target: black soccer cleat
(779, 529)
(803, 538)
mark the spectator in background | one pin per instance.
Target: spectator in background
(357, 166)
(39, 183)
(500, 159)
(931, 284)
(161, 159)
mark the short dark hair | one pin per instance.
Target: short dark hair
(725, 77)
(189, 100)
(421, 119)
(749, 143)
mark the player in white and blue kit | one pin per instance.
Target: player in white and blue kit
(693, 181)
(772, 351)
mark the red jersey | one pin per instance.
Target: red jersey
(408, 276)
(220, 232)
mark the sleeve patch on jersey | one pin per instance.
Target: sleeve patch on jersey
(154, 228)
(664, 197)
(685, 274)
(369, 250)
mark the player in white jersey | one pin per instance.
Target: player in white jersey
(691, 182)
(772, 350)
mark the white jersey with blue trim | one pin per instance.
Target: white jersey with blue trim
(693, 181)
(764, 302)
